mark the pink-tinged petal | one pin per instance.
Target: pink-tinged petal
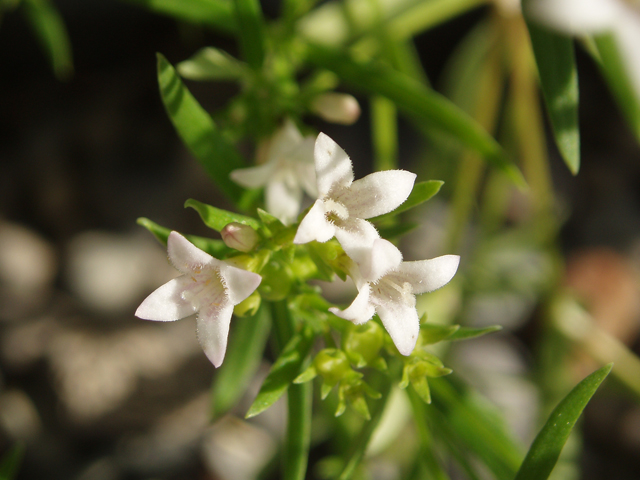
(377, 193)
(383, 257)
(166, 304)
(402, 322)
(314, 226)
(360, 310)
(283, 200)
(427, 275)
(356, 239)
(254, 177)
(185, 256)
(240, 283)
(333, 166)
(212, 329)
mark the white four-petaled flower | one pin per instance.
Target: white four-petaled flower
(391, 291)
(343, 205)
(286, 174)
(207, 286)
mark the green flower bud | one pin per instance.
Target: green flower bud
(363, 343)
(249, 306)
(239, 236)
(277, 280)
(332, 364)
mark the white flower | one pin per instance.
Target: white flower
(287, 172)
(343, 205)
(587, 17)
(391, 292)
(207, 286)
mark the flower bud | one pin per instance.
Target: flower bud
(239, 236)
(249, 306)
(363, 343)
(332, 364)
(336, 108)
(277, 279)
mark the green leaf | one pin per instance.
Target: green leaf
(473, 424)
(614, 69)
(10, 461)
(431, 333)
(210, 63)
(52, 34)
(416, 100)
(246, 347)
(464, 333)
(546, 448)
(212, 13)
(216, 218)
(298, 438)
(251, 31)
(283, 372)
(215, 248)
(559, 81)
(422, 191)
(198, 132)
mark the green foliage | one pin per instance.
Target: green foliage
(216, 218)
(10, 461)
(217, 14)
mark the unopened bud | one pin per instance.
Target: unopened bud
(249, 306)
(239, 236)
(336, 108)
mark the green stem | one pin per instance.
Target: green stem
(296, 450)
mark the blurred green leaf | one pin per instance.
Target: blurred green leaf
(52, 34)
(559, 82)
(246, 347)
(217, 14)
(546, 448)
(422, 191)
(298, 438)
(431, 333)
(10, 461)
(215, 248)
(251, 31)
(197, 130)
(211, 63)
(284, 370)
(417, 100)
(615, 71)
(475, 425)
(464, 333)
(216, 218)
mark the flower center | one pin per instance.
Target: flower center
(205, 290)
(387, 290)
(335, 211)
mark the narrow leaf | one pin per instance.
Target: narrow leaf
(210, 63)
(197, 130)
(558, 76)
(216, 218)
(546, 448)
(432, 333)
(52, 34)
(416, 100)
(213, 13)
(213, 247)
(251, 31)
(615, 70)
(284, 370)
(10, 461)
(464, 333)
(246, 347)
(422, 191)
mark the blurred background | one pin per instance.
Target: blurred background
(97, 394)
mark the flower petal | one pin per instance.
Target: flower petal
(185, 256)
(254, 177)
(212, 329)
(577, 17)
(166, 304)
(402, 322)
(356, 239)
(333, 166)
(427, 275)
(240, 283)
(305, 167)
(283, 200)
(284, 140)
(377, 193)
(314, 226)
(383, 257)
(360, 310)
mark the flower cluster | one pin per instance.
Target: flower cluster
(266, 257)
(386, 285)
